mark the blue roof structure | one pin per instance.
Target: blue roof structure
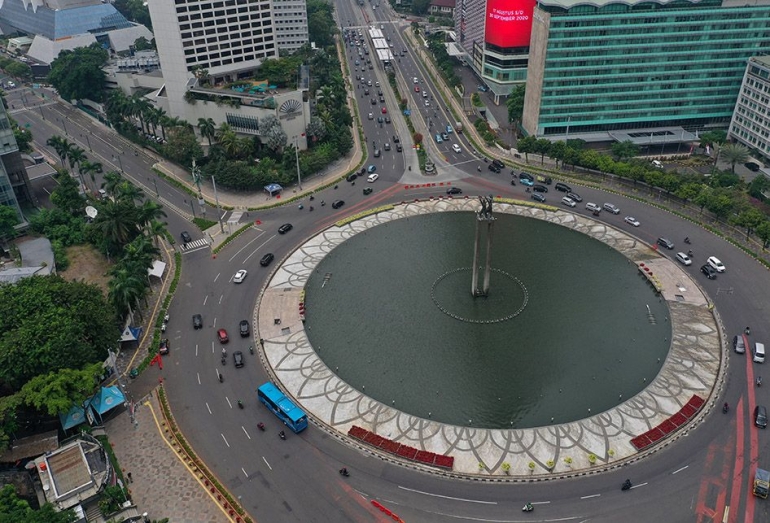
(62, 23)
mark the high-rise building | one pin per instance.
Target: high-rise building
(627, 65)
(290, 21)
(495, 36)
(14, 182)
(209, 52)
(751, 120)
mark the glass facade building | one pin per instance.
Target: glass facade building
(609, 65)
(13, 176)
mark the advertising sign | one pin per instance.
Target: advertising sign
(509, 22)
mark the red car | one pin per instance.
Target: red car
(416, 88)
(222, 336)
(384, 110)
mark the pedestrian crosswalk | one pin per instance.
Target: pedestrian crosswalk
(195, 245)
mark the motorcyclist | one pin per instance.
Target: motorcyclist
(626, 484)
(747, 331)
(224, 351)
(725, 407)
(282, 435)
(529, 507)
(686, 239)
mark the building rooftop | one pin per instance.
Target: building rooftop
(443, 3)
(763, 60)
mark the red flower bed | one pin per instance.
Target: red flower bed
(391, 446)
(655, 435)
(667, 427)
(447, 462)
(407, 452)
(678, 419)
(358, 432)
(696, 401)
(425, 457)
(641, 442)
(373, 439)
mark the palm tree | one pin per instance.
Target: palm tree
(111, 182)
(139, 108)
(127, 191)
(77, 156)
(148, 212)
(91, 168)
(124, 291)
(155, 229)
(116, 222)
(208, 128)
(734, 153)
(62, 146)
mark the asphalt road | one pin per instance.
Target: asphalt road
(693, 479)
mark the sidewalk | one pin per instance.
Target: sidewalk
(163, 486)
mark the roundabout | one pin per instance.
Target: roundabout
(600, 440)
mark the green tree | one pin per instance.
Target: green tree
(14, 509)
(135, 10)
(713, 138)
(182, 146)
(624, 150)
(142, 44)
(8, 219)
(56, 392)
(125, 291)
(320, 22)
(78, 73)
(763, 232)
(62, 146)
(47, 324)
(420, 7)
(66, 196)
(750, 219)
(542, 147)
(19, 70)
(515, 103)
(527, 145)
(734, 153)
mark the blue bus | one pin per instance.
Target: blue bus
(292, 416)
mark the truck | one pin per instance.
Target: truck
(459, 127)
(761, 483)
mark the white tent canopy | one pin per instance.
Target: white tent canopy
(158, 268)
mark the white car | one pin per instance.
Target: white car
(569, 202)
(240, 276)
(415, 80)
(373, 178)
(683, 258)
(590, 206)
(716, 264)
(456, 148)
(632, 221)
(427, 103)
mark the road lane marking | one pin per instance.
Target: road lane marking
(198, 374)
(591, 496)
(447, 497)
(257, 249)
(209, 408)
(266, 463)
(228, 402)
(221, 297)
(244, 473)
(262, 232)
(244, 431)
(677, 471)
(205, 299)
(217, 277)
(225, 439)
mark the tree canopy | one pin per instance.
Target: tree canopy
(56, 392)
(14, 509)
(47, 324)
(78, 73)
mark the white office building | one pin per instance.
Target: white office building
(750, 124)
(290, 22)
(209, 51)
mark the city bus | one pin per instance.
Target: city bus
(291, 415)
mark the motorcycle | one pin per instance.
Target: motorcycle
(725, 408)
(261, 426)
(224, 360)
(690, 253)
(282, 435)
(311, 207)
(747, 331)
(312, 197)
(344, 472)
(626, 485)
(221, 377)
(240, 404)
(251, 349)
(528, 508)
(687, 240)
(759, 381)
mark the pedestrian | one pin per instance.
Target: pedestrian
(130, 479)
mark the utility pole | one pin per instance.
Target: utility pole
(219, 209)
(196, 175)
(296, 154)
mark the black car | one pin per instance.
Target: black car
(751, 166)
(374, 101)
(563, 187)
(709, 271)
(367, 190)
(497, 163)
(186, 237)
(539, 188)
(266, 259)
(526, 176)
(494, 168)
(538, 197)
(387, 119)
(286, 227)
(399, 148)
(238, 359)
(197, 321)
(351, 177)
(362, 171)
(396, 139)
(454, 190)
(243, 327)
(164, 346)
(337, 204)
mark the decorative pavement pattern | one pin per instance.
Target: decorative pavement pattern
(693, 366)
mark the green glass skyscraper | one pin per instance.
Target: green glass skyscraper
(606, 65)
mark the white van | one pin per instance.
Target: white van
(657, 163)
(759, 352)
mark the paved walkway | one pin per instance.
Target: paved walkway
(163, 486)
(693, 366)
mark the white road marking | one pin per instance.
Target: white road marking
(591, 496)
(677, 471)
(448, 497)
(266, 463)
(244, 472)
(249, 243)
(221, 297)
(208, 408)
(244, 431)
(225, 440)
(217, 277)
(257, 249)
(199, 377)
(228, 402)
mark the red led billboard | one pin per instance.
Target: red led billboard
(509, 22)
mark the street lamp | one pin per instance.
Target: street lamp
(196, 175)
(155, 182)
(296, 154)
(120, 163)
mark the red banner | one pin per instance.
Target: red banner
(509, 22)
